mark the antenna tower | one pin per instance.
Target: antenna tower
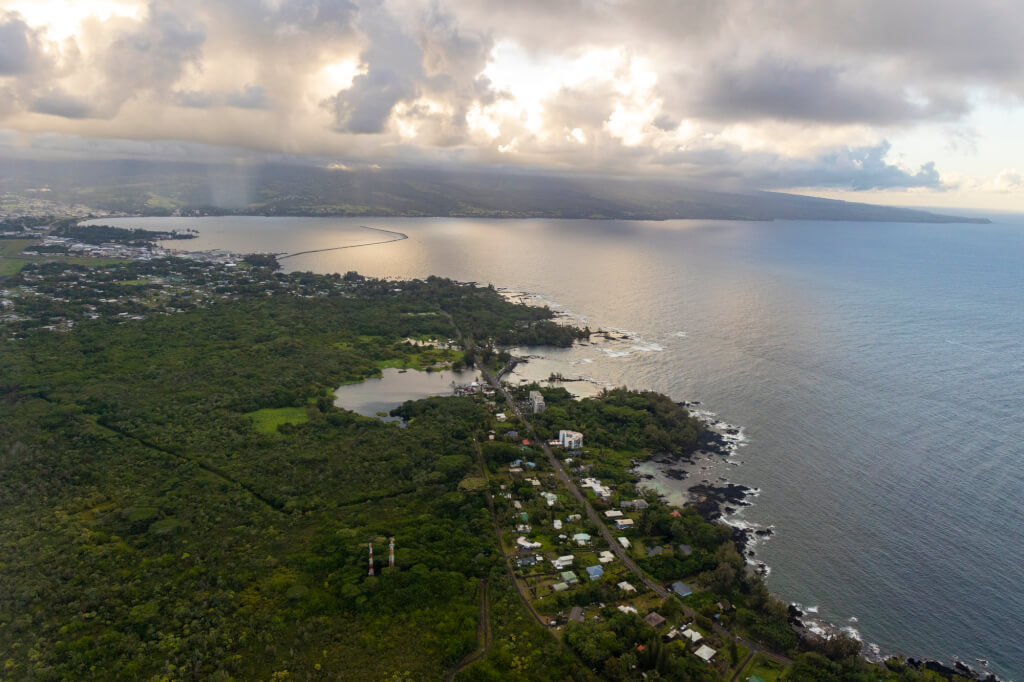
(391, 554)
(371, 558)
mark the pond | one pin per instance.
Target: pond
(395, 386)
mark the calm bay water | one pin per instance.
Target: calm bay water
(877, 370)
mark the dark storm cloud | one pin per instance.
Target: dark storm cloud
(62, 104)
(773, 88)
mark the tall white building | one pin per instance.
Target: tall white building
(537, 402)
(570, 440)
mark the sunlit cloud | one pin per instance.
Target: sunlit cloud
(726, 90)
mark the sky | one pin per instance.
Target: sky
(904, 102)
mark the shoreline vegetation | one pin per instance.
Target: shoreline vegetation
(183, 500)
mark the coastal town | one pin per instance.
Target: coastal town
(588, 550)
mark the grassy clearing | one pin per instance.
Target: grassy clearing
(763, 667)
(12, 260)
(268, 419)
(425, 360)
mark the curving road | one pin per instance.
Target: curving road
(592, 514)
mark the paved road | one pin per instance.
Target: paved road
(619, 551)
(592, 514)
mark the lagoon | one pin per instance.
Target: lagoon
(376, 395)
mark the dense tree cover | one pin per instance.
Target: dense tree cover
(149, 530)
(817, 667)
(621, 419)
(262, 260)
(13, 223)
(100, 234)
(521, 649)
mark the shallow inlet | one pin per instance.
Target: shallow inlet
(395, 386)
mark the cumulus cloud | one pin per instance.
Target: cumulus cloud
(21, 49)
(774, 93)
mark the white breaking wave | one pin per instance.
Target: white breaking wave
(852, 632)
(648, 347)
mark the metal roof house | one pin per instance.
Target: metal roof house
(654, 619)
(681, 589)
(595, 572)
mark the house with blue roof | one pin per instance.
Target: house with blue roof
(595, 572)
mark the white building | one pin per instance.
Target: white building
(537, 402)
(570, 440)
(613, 514)
(563, 562)
(526, 544)
(705, 653)
(605, 557)
(624, 541)
(692, 635)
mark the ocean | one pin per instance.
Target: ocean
(877, 372)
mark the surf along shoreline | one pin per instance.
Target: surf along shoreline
(718, 499)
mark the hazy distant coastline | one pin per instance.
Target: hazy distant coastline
(163, 189)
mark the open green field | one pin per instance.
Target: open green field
(763, 667)
(12, 260)
(268, 419)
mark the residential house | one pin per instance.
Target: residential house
(624, 541)
(613, 514)
(692, 635)
(569, 578)
(563, 562)
(626, 587)
(605, 557)
(681, 589)
(623, 524)
(705, 653)
(634, 504)
(595, 572)
(526, 544)
(654, 619)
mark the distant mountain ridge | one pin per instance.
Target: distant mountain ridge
(162, 188)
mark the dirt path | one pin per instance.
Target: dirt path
(483, 634)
